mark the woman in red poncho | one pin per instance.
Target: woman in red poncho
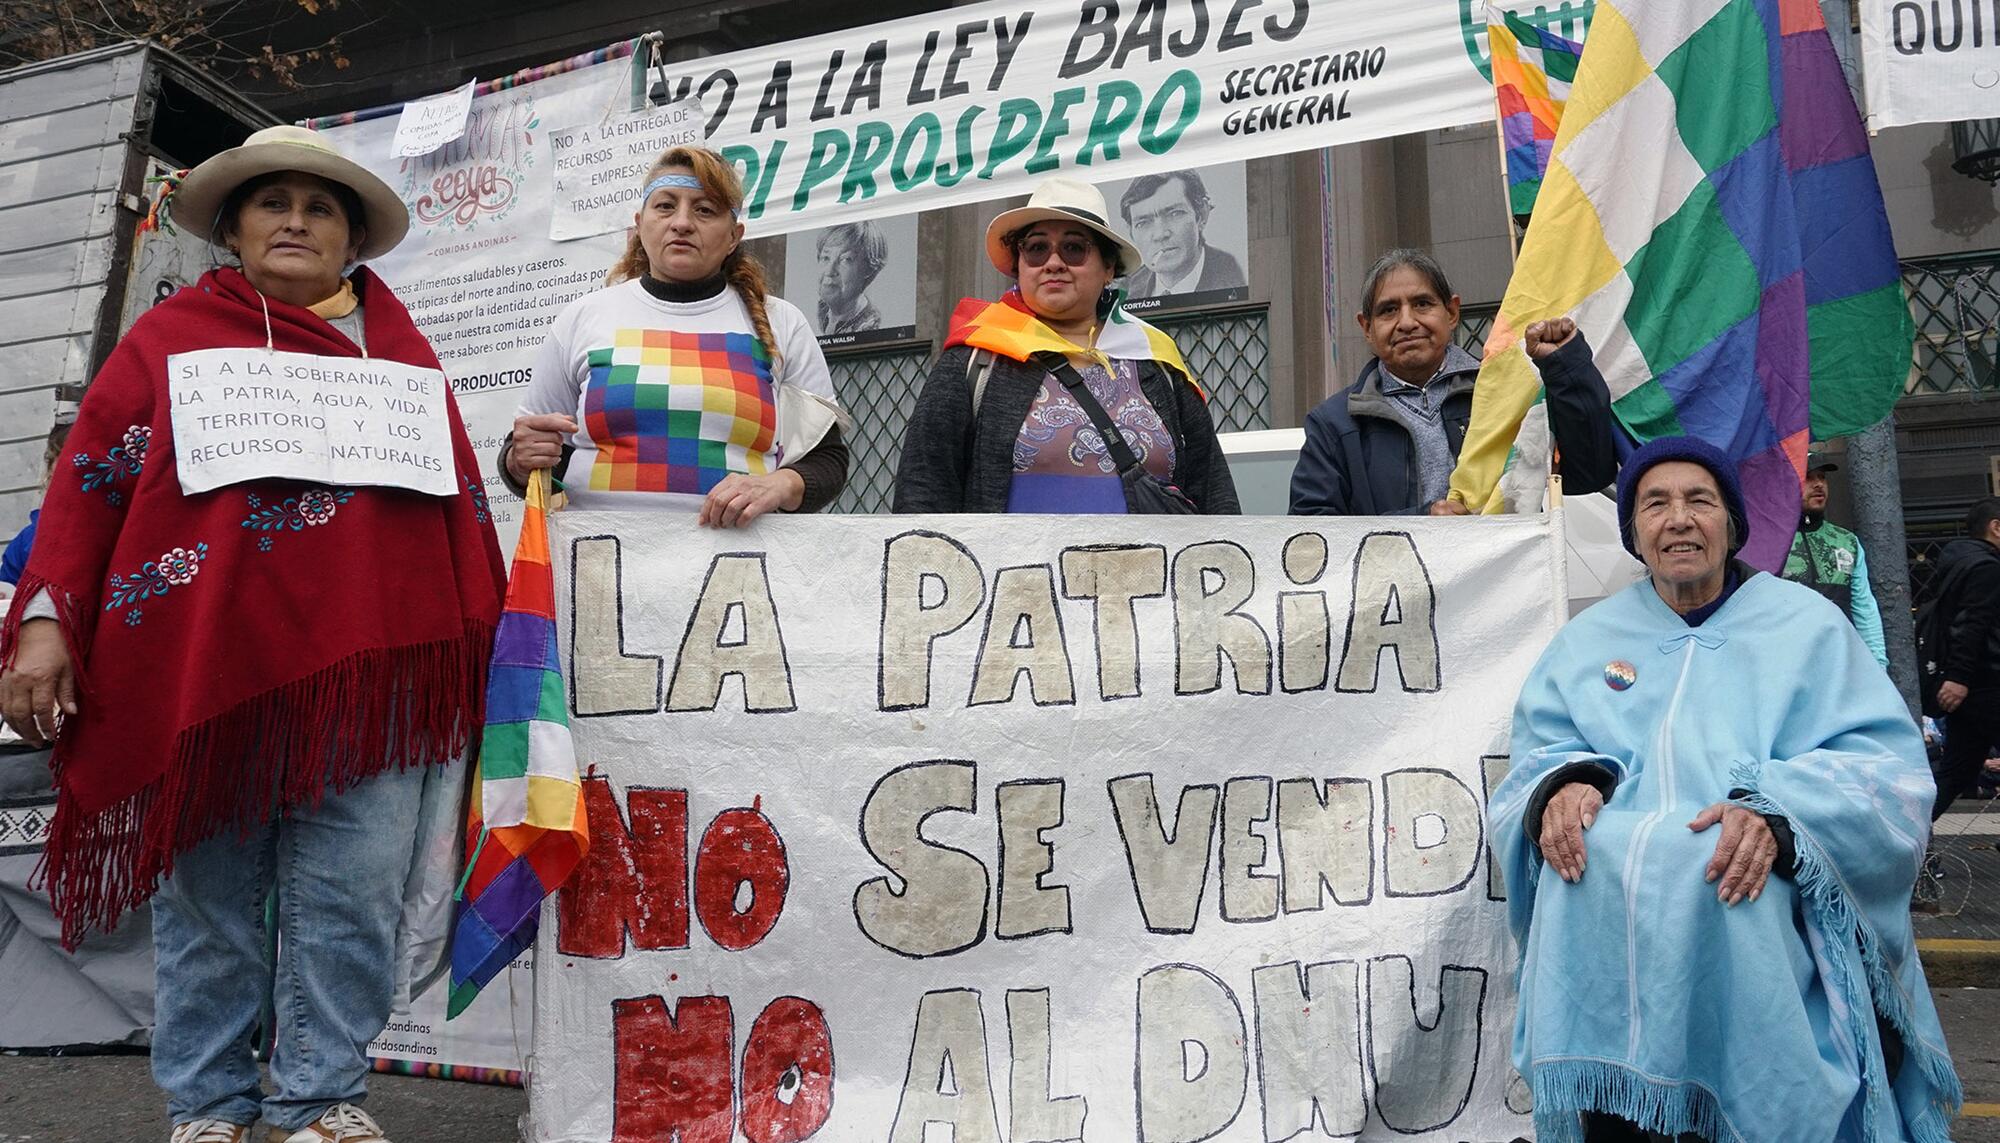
(245, 684)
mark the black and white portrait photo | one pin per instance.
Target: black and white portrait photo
(857, 282)
(1190, 226)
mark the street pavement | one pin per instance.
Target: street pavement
(111, 1099)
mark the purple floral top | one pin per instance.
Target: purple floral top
(1060, 463)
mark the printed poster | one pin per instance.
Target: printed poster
(856, 282)
(1192, 227)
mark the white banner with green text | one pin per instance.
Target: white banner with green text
(983, 101)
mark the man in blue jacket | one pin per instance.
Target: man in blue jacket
(1387, 443)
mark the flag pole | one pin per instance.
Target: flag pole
(1506, 192)
(1500, 145)
(1554, 492)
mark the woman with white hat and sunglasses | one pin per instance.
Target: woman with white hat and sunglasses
(1009, 418)
(245, 685)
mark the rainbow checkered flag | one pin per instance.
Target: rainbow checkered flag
(1711, 218)
(1532, 72)
(526, 830)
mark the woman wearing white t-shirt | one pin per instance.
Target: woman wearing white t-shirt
(682, 382)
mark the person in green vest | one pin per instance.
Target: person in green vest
(1828, 558)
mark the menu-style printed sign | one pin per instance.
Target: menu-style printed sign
(254, 414)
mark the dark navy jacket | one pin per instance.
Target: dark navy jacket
(1359, 460)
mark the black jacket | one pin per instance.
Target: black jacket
(1359, 460)
(1972, 649)
(950, 464)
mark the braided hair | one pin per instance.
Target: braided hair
(743, 272)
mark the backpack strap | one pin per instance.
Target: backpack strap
(978, 367)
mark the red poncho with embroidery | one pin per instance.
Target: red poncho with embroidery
(249, 648)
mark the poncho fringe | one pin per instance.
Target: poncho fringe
(1831, 910)
(1670, 1107)
(378, 710)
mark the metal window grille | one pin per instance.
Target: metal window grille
(1230, 352)
(1925, 546)
(1475, 324)
(877, 390)
(1956, 304)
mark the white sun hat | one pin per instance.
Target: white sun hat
(199, 198)
(1066, 200)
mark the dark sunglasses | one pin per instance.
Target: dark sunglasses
(1036, 251)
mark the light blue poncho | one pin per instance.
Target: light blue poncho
(1643, 996)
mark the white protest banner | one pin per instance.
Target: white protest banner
(249, 414)
(478, 271)
(427, 124)
(1170, 825)
(487, 1043)
(601, 167)
(982, 101)
(1930, 62)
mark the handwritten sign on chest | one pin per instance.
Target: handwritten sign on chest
(253, 414)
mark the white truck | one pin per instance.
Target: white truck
(79, 138)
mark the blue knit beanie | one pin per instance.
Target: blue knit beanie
(1694, 451)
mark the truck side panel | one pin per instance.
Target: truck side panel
(63, 153)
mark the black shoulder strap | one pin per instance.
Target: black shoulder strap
(1114, 441)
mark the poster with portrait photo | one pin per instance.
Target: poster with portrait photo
(856, 283)
(1194, 231)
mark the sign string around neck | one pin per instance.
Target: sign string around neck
(270, 344)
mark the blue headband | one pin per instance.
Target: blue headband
(670, 180)
(685, 182)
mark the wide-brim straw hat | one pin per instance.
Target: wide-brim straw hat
(195, 203)
(1066, 200)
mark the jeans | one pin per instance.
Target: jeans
(339, 871)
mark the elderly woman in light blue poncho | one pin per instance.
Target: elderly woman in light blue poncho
(1716, 811)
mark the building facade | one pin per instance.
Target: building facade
(1313, 221)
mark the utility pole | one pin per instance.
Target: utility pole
(1878, 519)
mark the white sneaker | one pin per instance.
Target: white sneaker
(341, 1123)
(210, 1131)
